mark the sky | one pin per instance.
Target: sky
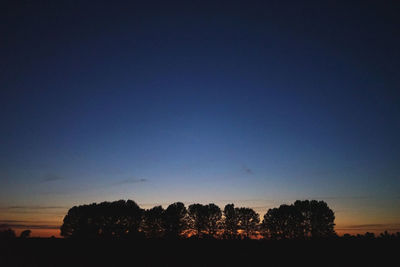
(257, 103)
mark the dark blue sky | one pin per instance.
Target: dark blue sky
(223, 101)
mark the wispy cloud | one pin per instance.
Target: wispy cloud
(376, 226)
(247, 169)
(33, 207)
(29, 226)
(26, 224)
(130, 181)
(53, 210)
(341, 197)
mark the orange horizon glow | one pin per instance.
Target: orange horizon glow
(51, 232)
(43, 233)
(47, 223)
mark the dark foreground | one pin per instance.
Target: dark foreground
(60, 252)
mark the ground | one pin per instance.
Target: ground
(61, 252)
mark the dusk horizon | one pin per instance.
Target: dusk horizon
(257, 104)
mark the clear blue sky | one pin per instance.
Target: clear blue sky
(257, 104)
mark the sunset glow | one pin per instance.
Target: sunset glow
(253, 104)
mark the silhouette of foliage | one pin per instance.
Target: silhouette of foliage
(231, 222)
(371, 236)
(284, 222)
(125, 219)
(205, 219)
(248, 221)
(303, 219)
(25, 234)
(318, 218)
(175, 220)
(387, 236)
(153, 224)
(107, 219)
(7, 234)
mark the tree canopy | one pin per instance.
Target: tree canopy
(303, 219)
(231, 222)
(107, 219)
(7, 234)
(125, 219)
(25, 234)
(205, 219)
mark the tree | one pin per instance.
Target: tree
(125, 219)
(386, 235)
(303, 219)
(175, 220)
(369, 236)
(214, 216)
(284, 222)
(318, 218)
(107, 220)
(196, 218)
(7, 234)
(204, 219)
(248, 221)
(152, 224)
(81, 222)
(231, 222)
(132, 218)
(25, 234)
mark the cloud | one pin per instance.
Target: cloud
(247, 169)
(130, 181)
(28, 226)
(51, 177)
(24, 224)
(3, 222)
(365, 225)
(340, 197)
(54, 210)
(33, 207)
(376, 226)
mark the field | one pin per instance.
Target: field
(62, 252)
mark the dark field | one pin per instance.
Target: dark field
(61, 252)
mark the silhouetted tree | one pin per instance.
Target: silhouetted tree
(80, 222)
(133, 218)
(318, 218)
(303, 219)
(204, 219)
(125, 219)
(7, 234)
(196, 216)
(152, 224)
(248, 221)
(347, 236)
(369, 235)
(111, 218)
(213, 219)
(175, 220)
(230, 222)
(387, 236)
(25, 234)
(108, 220)
(285, 222)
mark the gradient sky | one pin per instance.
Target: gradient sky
(258, 103)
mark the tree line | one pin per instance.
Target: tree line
(9, 233)
(125, 219)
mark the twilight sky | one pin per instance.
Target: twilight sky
(258, 103)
